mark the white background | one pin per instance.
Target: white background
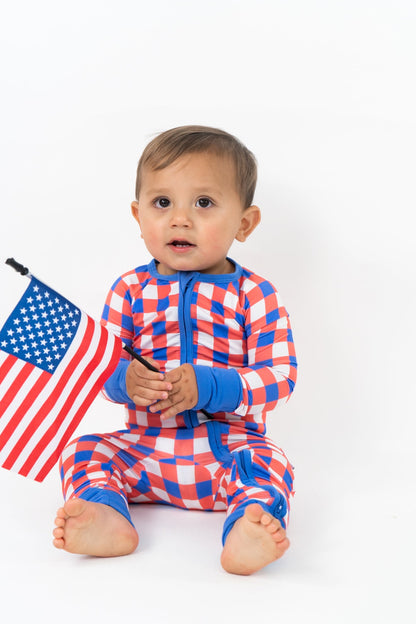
(323, 92)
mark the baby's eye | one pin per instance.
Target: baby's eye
(204, 202)
(161, 202)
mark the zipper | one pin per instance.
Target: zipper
(186, 282)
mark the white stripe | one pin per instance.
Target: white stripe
(11, 375)
(18, 399)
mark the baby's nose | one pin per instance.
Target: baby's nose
(181, 216)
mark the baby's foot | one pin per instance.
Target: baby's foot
(256, 539)
(89, 528)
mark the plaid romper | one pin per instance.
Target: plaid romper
(235, 332)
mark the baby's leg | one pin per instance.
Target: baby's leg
(258, 492)
(256, 539)
(95, 519)
(89, 528)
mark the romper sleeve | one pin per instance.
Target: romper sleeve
(117, 318)
(270, 375)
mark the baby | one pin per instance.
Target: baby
(220, 344)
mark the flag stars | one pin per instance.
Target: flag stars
(41, 328)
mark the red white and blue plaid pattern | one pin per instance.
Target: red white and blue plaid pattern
(216, 467)
(227, 321)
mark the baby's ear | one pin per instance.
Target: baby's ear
(135, 211)
(250, 219)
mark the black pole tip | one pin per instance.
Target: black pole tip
(17, 266)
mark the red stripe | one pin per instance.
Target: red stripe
(51, 433)
(49, 464)
(7, 366)
(48, 405)
(8, 398)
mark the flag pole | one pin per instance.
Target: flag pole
(18, 267)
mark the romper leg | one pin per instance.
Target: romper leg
(259, 473)
(88, 471)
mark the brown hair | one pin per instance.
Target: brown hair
(168, 146)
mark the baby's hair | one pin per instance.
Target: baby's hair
(168, 146)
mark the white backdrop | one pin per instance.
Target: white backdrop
(324, 94)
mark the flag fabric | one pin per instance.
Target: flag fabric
(54, 360)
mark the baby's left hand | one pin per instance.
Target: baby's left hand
(184, 393)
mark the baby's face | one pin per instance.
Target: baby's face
(190, 212)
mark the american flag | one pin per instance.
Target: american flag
(54, 360)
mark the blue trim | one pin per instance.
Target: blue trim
(115, 386)
(221, 453)
(108, 497)
(239, 513)
(215, 278)
(219, 389)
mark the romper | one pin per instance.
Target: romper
(236, 333)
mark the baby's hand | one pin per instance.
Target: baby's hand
(184, 393)
(144, 386)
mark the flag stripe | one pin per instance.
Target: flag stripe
(5, 368)
(68, 416)
(16, 392)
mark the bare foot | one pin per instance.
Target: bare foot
(256, 539)
(89, 528)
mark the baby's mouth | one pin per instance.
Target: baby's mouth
(180, 244)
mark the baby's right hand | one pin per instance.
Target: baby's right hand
(144, 386)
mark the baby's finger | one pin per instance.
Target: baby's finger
(141, 372)
(145, 397)
(170, 401)
(173, 411)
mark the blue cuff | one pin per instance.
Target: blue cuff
(115, 386)
(219, 389)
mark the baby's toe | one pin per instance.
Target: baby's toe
(266, 519)
(59, 522)
(58, 533)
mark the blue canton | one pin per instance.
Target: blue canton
(41, 328)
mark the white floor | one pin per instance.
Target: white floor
(351, 560)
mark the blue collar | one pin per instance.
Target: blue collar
(200, 277)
